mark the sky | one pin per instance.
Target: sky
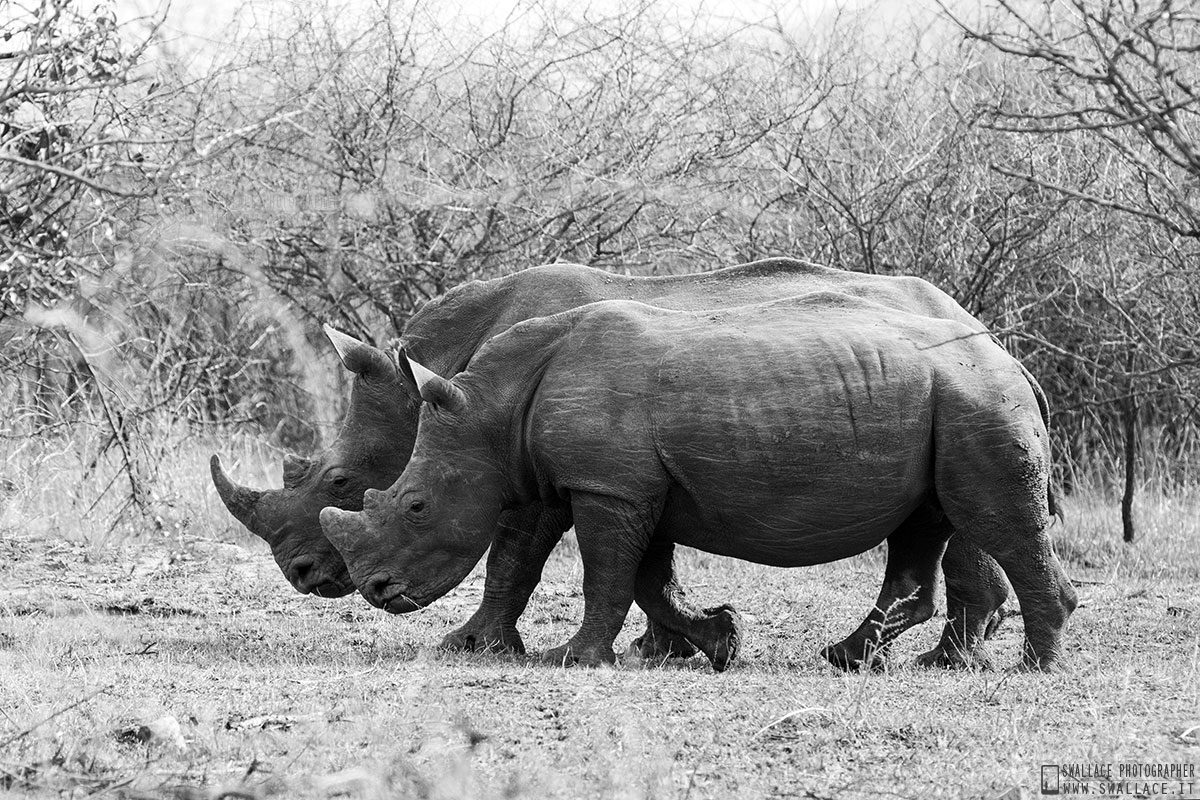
(211, 19)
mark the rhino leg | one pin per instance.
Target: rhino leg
(992, 481)
(975, 591)
(613, 536)
(659, 642)
(514, 566)
(906, 597)
(1046, 596)
(663, 600)
(715, 630)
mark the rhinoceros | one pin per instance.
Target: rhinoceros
(376, 437)
(788, 433)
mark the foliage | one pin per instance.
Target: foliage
(181, 222)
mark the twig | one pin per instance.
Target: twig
(999, 685)
(68, 174)
(7, 717)
(347, 676)
(691, 781)
(788, 716)
(56, 714)
(116, 422)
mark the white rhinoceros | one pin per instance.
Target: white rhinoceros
(789, 433)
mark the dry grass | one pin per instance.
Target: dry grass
(110, 635)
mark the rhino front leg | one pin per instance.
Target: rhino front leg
(613, 536)
(906, 597)
(519, 551)
(975, 591)
(716, 631)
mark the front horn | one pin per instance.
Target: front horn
(240, 500)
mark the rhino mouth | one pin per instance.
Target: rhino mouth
(404, 598)
(400, 603)
(332, 589)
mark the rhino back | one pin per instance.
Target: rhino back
(449, 330)
(804, 425)
(774, 278)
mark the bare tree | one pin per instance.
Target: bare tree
(1122, 71)
(421, 159)
(1123, 75)
(95, 132)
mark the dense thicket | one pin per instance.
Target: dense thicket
(176, 223)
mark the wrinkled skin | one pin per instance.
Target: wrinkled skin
(740, 433)
(376, 438)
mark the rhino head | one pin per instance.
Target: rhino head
(419, 538)
(371, 450)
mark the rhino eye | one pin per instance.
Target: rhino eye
(416, 506)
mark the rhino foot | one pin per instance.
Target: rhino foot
(1043, 667)
(493, 639)
(994, 622)
(962, 643)
(569, 655)
(659, 643)
(856, 659)
(1048, 662)
(727, 638)
(950, 657)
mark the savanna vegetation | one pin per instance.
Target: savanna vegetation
(178, 216)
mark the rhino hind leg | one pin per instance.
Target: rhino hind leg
(975, 593)
(997, 496)
(906, 597)
(714, 631)
(1047, 600)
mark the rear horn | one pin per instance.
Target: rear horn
(359, 357)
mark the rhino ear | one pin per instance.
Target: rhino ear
(433, 388)
(294, 469)
(359, 357)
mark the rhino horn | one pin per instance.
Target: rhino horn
(359, 357)
(342, 528)
(422, 375)
(242, 501)
(433, 388)
(294, 469)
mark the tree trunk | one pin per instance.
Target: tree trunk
(1131, 414)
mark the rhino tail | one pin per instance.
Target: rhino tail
(1053, 495)
(1054, 501)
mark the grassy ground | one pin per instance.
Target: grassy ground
(178, 663)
